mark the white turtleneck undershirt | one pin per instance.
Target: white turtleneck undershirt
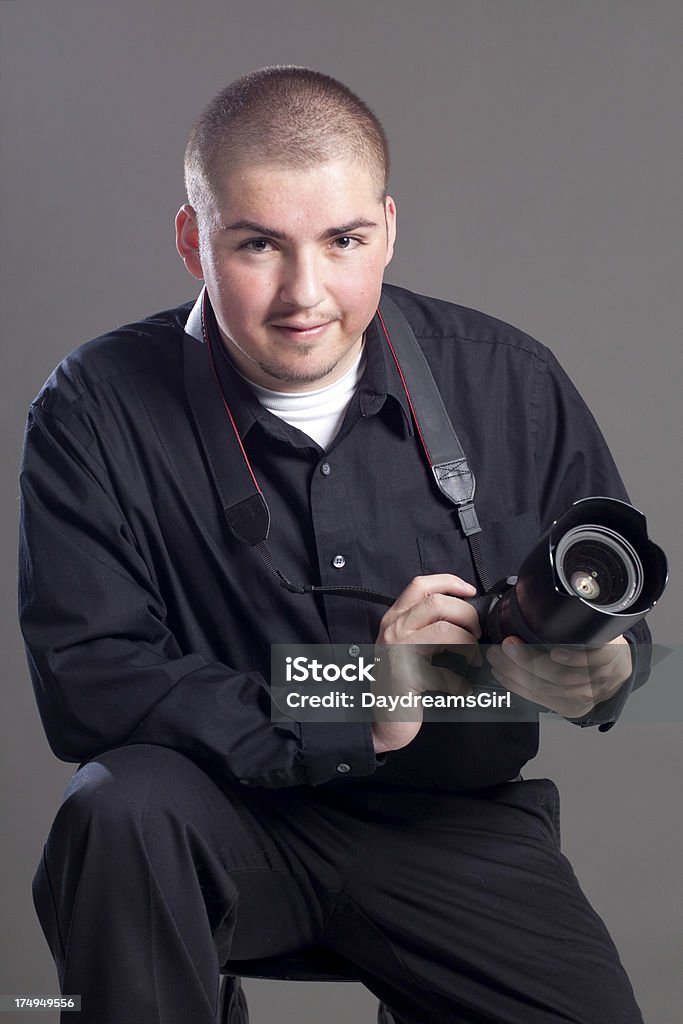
(317, 413)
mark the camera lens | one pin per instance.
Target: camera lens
(599, 566)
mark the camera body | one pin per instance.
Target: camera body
(592, 576)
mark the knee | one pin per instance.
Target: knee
(120, 789)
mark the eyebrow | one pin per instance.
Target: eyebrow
(261, 229)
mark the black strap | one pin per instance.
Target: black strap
(310, 588)
(440, 443)
(243, 503)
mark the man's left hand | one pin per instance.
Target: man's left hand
(568, 680)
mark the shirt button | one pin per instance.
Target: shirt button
(339, 561)
(326, 469)
(354, 650)
(343, 767)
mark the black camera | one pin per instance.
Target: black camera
(592, 576)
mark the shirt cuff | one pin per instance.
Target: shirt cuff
(336, 750)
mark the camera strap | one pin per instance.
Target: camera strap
(440, 443)
(243, 502)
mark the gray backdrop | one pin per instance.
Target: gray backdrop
(537, 163)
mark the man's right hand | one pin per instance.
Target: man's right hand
(428, 617)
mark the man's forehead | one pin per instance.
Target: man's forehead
(331, 184)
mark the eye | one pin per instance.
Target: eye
(346, 242)
(257, 245)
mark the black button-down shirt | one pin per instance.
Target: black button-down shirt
(147, 621)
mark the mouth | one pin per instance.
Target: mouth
(302, 330)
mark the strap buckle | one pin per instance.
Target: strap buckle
(468, 519)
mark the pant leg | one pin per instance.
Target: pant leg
(152, 877)
(464, 911)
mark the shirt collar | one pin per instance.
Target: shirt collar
(381, 380)
(193, 324)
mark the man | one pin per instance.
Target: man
(198, 828)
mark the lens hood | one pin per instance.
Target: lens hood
(592, 576)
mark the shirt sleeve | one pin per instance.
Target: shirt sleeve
(573, 461)
(106, 669)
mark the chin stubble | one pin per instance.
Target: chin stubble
(288, 375)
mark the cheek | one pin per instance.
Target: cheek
(244, 296)
(361, 290)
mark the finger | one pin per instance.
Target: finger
(434, 608)
(562, 665)
(523, 665)
(422, 586)
(572, 705)
(514, 650)
(593, 657)
(605, 655)
(575, 655)
(532, 668)
(571, 701)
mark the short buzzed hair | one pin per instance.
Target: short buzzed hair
(285, 115)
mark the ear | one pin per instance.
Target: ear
(187, 240)
(390, 216)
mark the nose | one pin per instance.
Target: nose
(301, 283)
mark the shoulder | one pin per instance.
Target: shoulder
(151, 346)
(437, 320)
(480, 362)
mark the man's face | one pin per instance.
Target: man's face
(293, 260)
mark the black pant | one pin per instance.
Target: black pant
(456, 909)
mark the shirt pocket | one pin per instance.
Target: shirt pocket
(504, 544)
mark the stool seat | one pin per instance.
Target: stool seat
(311, 964)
